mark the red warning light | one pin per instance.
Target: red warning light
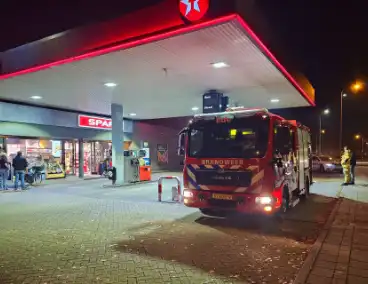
(223, 119)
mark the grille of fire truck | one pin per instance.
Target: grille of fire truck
(226, 178)
(222, 203)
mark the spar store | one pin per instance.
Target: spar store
(155, 62)
(58, 136)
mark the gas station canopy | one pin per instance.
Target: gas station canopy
(156, 72)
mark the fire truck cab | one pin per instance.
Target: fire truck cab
(245, 160)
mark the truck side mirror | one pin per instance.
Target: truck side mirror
(181, 144)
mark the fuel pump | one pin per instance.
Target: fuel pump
(145, 165)
(131, 167)
(135, 168)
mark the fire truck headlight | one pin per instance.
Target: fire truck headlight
(187, 194)
(264, 200)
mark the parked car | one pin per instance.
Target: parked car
(326, 164)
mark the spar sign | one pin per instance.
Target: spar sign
(94, 122)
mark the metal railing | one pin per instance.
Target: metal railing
(177, 190)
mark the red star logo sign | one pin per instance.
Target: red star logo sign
(194, 10)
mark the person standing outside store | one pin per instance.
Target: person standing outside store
(4, 169)
(345, 163)
(352, 167)
(20, 165)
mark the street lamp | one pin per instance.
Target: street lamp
(357, 137)
(356, 87)
(322, 131)
(342, 96)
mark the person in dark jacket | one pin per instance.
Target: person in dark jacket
(20, 165)
(4, 169)
(352, 165)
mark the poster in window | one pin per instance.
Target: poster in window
(162, 154)
(56, 149)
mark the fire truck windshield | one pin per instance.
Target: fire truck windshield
(245, 137)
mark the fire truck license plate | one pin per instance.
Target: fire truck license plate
(222, 196)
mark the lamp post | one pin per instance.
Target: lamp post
(321, 131)
(357, 137)
(342, 96)
(356, 87)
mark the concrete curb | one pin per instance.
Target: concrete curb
(102, 177)
(338, 194)
(93, 178)
(304, 271)
(133, 184)
(128, 184)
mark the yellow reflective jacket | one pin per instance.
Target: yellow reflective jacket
(345, 158)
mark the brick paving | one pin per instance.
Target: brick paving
(84, 233)
(343, 256)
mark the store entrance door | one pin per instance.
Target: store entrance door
(99, 152)
(95, 152)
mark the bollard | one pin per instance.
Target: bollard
(160, 188)
(159, 191)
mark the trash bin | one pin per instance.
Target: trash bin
(112, 174)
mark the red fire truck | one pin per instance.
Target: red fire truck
(245, 160)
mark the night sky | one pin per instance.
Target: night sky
(327, 38)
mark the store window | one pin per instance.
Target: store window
(30, 148)
(2, 142)
(36, 151)
(62, 156)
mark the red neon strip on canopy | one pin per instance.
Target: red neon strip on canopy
(273, 59)
(125, 45)
(158, 37)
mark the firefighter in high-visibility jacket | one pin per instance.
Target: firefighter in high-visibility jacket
(345, 162)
